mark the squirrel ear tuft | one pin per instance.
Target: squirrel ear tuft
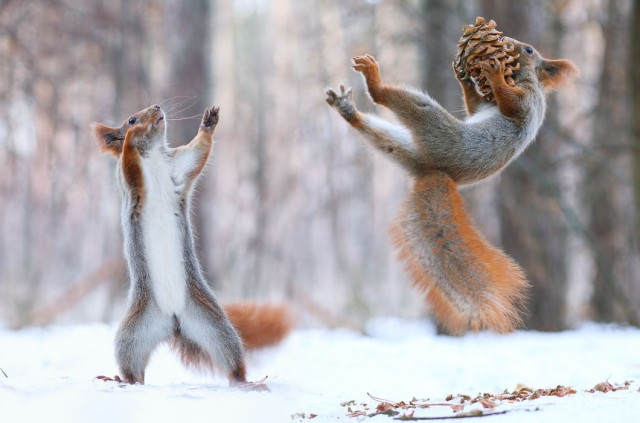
(109, 139)
(555, 73)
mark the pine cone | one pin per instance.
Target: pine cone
(479, 43)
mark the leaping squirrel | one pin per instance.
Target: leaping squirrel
(169, 299)
(469, 283)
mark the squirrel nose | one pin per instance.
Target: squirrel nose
(155, 106)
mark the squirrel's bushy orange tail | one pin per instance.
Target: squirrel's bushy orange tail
(469, 283)
(259, 325)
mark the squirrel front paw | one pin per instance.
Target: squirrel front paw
(368, 67)
(462, 77)
(342, 102)
(210, 118)
(493, 70)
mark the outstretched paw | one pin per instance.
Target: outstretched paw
(210, 118)
(342, 102)
(367, 65)
(335, 100)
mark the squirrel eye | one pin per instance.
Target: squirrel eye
(132, 120)
(529, 50)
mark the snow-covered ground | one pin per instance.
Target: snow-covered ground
(51, 376)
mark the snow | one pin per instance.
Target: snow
(51, 375)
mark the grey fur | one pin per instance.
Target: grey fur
(202, 326)
(468, 151)
(208, 326)
(469, 283)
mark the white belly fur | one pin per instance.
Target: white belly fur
(162, 239)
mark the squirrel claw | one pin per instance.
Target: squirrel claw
(210, 118)
(342, 102)
(345, 92)
(463, 77)
(364, 64)
(334, 98)
(492, 69)
(116, 378)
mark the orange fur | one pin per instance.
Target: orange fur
(509, 99)
(469, 284)
(368, 66)
(193, 356)
(259, 325)
(132, 166)
(556, 73)
(190, 353)
(109, 139)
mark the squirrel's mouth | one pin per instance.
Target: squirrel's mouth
(160, 119)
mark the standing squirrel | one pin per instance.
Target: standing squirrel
(469, 283)
(169, 299)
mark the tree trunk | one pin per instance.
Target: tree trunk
(191, 75)
(606, 178)
(634, 65)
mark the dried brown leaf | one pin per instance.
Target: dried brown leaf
(357, 413)
(603, 387)
(384, 406)
(487, 403)
(457, 407)
(534, 395)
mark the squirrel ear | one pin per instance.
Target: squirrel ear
(110, 139)
(555, 73)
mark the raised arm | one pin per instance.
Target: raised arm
(131, 164)
(190, 159)
(391, 139)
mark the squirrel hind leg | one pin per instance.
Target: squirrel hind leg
(194, 356)
(190, 353)
(142, 330)
(210, 339)
(202, 345)
(469, 284)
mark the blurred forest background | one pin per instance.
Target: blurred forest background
(294, 206)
